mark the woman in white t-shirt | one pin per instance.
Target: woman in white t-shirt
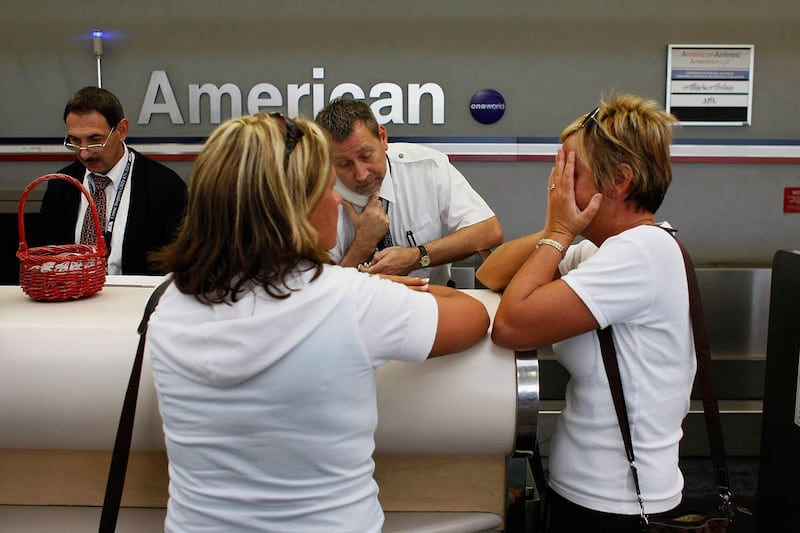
(264, 353)
(610, 177)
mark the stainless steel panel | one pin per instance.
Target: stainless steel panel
(527, 400)
(736, 307)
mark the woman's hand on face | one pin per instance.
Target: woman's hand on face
(564, 217)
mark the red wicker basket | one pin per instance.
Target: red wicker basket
(61, 272)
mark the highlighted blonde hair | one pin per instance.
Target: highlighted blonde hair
(627, 129)
(247, 217)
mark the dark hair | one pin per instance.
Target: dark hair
(340, 116)
(91, 99)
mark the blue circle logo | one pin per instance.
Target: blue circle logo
(487, 106)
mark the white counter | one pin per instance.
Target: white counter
(65, 368)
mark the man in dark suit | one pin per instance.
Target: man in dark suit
(144, 199)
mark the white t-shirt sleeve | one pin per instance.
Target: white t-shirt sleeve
(576, 254)
(396, 322)
(615, 283)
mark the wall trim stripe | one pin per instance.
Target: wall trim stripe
(458, 148)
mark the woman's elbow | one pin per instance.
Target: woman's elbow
(490, 282)
(463, 322)
(492, 274)
(506, 334)
(478, 324)
(501, 334)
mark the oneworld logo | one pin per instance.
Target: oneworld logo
(487, 106)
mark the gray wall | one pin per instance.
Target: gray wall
(550, 59)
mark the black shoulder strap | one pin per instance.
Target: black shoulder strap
(710, 406)
(704, 371)
(122, 444)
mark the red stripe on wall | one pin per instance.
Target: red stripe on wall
(719, 160)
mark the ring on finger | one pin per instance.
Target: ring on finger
(551, 187)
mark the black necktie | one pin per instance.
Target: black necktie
(386, 242)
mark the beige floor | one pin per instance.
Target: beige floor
(60, 519)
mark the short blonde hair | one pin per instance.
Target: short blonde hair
(627, 129)
(247, 218)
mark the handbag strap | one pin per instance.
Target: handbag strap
(710, 405)
(706, 379)
(537, 470)
(122, 444)
(611, 366)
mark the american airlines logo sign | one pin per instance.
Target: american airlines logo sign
(209, 102)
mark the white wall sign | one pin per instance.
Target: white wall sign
(710, 85)
(391, 103)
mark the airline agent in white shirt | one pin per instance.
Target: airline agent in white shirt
(433, 214)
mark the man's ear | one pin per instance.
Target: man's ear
(383, 136)
(122, 129)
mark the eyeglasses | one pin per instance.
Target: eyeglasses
(589, 117)
(293, 133)
(92, 147)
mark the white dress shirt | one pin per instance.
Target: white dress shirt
(428, 197)
(115, 175)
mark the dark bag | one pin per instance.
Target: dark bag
(720, 518)
(714, 522)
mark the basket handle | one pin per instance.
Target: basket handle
(23, 245)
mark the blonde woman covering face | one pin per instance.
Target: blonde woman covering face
(609, 178)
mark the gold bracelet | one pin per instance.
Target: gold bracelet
(555, 244)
